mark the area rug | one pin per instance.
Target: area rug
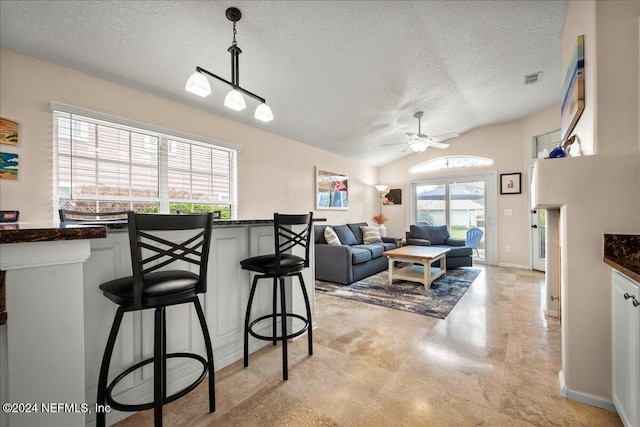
(408, 296)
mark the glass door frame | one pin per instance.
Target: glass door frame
(491, 206)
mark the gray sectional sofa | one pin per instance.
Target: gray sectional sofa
(352, 259)
(438, 236)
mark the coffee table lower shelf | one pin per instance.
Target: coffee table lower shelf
(417, 273)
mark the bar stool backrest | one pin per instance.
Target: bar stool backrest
(287, 239)
(67, 215)
(161, 252)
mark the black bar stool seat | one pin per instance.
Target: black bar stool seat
(150, 287)
(277, 266)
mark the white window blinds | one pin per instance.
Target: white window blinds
(106, 164)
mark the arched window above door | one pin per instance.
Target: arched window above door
(450, 162)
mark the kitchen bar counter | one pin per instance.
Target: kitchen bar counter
(622, 252)
(58, 320)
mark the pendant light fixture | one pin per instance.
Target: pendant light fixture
(199, 84)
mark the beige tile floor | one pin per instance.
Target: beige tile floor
(493, 361)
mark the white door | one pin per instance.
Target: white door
(538, 238)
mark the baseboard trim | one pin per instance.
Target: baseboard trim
(522, 267)
(587, 398)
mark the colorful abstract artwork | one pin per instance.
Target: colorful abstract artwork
(8, 165)
(8, 132)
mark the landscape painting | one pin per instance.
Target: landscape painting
(8, 132)
(8, 165)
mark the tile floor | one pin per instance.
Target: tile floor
(493, 361)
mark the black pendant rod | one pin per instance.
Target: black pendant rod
(238, 88)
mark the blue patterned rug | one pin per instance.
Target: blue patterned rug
(408, 296)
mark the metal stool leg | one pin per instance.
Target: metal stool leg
(283, 313)
(274, 312)
(246, 320)
(207, 343)
(158, 365)
(308, 307)
(104, 368)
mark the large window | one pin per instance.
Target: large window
(105, 164)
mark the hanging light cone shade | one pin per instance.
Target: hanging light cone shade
(263, 113)
(419, 146)
(235, 100)
(198, 84)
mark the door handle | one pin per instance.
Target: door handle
(534, 226)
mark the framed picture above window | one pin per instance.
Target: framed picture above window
(510, 183)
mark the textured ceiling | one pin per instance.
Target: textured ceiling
(343, 76)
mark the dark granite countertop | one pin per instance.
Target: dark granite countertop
(41, 232)
(25, 232)
(622, 252)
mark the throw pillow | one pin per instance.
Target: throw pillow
(371, 235)
(345, 235)
(331, 237)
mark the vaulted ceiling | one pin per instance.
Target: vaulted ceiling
(346, 76)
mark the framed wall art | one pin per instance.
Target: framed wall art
(8, 132)
(393, 197)
(332, 190)
(8, 165)
(510, 183)
(573, 91)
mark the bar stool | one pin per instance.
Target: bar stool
(277, 266)
(67, 215)
(152, 288)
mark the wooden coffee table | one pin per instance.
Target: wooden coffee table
(420, 259)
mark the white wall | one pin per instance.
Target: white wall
(509, 145)
(274, 173)
(599, 193)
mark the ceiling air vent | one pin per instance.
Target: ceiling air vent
(534, 78)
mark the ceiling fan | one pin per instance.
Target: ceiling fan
(419, 142)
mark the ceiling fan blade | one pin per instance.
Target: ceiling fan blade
(444, 136)
(411, 135)
(437, 144)
(395, 143)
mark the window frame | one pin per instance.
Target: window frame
(165, 138)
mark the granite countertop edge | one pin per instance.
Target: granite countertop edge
(622, 252)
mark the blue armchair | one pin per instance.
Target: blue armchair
(460, 255)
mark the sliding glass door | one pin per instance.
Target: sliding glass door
(462, 205)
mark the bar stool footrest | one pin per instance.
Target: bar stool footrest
(279, 338)
(150, 405)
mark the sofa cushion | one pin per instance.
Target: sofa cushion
(370, 235)
(388, 246)
(419, 232)
(456, 251)
(438, 234)
(360, 255)
(376, 250)
(318, 233)
(357, 232)
(331, 237)
(345, 235)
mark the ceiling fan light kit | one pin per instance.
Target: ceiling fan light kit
(198, 83)
(419, 142)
